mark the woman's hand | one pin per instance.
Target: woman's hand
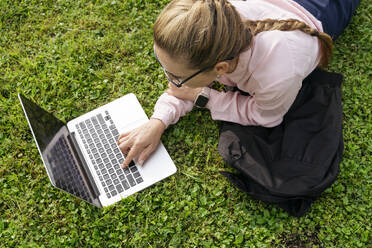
(183, 92)
(141, 142)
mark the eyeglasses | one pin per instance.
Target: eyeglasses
(176, 80)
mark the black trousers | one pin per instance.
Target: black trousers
(293, 163)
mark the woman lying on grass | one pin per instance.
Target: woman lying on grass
(263, 49)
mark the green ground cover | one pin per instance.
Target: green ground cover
(73, 56)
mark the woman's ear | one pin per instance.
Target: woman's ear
(221, 67)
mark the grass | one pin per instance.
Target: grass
(73, 56)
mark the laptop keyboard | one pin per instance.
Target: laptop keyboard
(99, 135)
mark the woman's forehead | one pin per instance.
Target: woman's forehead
(170, 64)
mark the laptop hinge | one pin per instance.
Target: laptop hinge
(83, 165)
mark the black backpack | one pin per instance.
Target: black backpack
(293, 163)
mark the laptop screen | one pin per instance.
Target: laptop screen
(43, 124)
(50, 135)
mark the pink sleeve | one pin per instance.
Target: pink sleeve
(266, 108)
(231, 106)
(169, 109)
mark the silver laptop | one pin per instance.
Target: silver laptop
(83, 158)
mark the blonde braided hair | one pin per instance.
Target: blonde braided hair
(204, 32)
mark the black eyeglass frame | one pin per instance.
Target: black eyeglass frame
(180, 82)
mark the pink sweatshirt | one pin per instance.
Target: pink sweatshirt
(271, 71)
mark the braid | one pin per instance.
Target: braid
(290, 25)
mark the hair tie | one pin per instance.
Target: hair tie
(315, 33)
